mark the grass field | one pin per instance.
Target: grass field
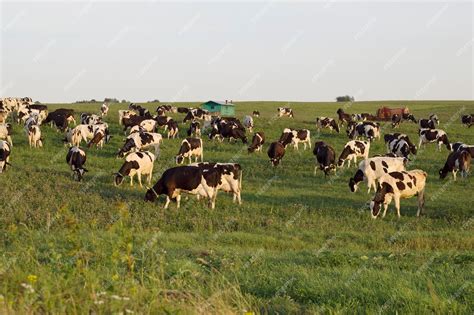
(298, 244)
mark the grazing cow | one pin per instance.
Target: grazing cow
(90, 119)
(257, 142)
(343, 117)
(459, 146)
(429, 123)
(276, 152)
(98, 138)
(256, 113)
(397, 119)
(368, 129)
(173, 129)
(373, 168)
(248, 123)
(397, 136)
(5, 150)
(73, 137)
(326, 122)
(467, 120)
(183, 110)
(194, 129)
(396, 185)
(162, 121)
(325, 156)
(352, 150)
(59, 119)
(34, 136)
(434, 136)
(188, 179)
(401, 148)
(141, 140)
(125, 113)
(285, 111)
(76, 158)
(143, 112)
(26, 111)
(457, 161)
(104, 109)
(3, 116)
(230, 175)
(230, 131)
(6, 133)
(148, 125)
(295, 137)
(197, 113)
(190, 147)
(139, 163)
(132, 121)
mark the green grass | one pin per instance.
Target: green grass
(298, 244)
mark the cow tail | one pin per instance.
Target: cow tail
(240, 180)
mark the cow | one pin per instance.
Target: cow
(3, 116)
(147, 125)
(124, 113)
(457, 161)
(459, 146)
(59, 119)
(131, 121)
(257, 142)
(162, 109)
(397, 119)
(188, 179)
(190, 147)
(76, 158)
(367, 129)
(285, 111)
(276, 152)
(230, 175)
(25, 111)
(228, 130)
(141, 140)
(90, 119)
(34, 136)
(397, 136)
(6, 133)
(183, 110)
(256, 113)
(173, 130)
(197, 113)
(73, 137)
(5, 150)
(429, 123)
(143, 112)
(85, 132)
(295, 137)
(401, 148)
(397, 185)
(326, 122)
(363, 117)
(194, 129)
(98, 138)
(136, 163)
(371, 169)
(343, 117)
(467, 120)
(162, 121)
(248, 123)
(104, 109)
(434, 136)
(352, 150)
(325, 156)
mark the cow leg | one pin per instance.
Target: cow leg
(397, 206)
(150, 176)
(454, 175)
(315, 168)
(370, 183)
(421, 202)
(131, 179)
(419, 143)
(178, 201)
(167, 202)
(139, 175)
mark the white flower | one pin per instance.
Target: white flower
(99, 302)
(128, 311)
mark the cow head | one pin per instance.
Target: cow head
(179, 159)
(443, 173)
(380, 199)
(151, 194)
(79, 173)
(118, 179)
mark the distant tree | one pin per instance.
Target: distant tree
(124, 101)
(345, 98)
(154, 101)
(37, 103)
(111, 100)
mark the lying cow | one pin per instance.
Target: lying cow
(367, 129)
(325, 156)
(257, 142)
(352, 150)
(370, 170)
(457, 161)
(141, 140)
(276, 152)
(190, 147)
(136, 163)
(434, 136)
(188, 179)
(295, 137)
(5, 150)
(397, 185)
(76, 158)
(467, 120)
(285, 111)
(326, 122)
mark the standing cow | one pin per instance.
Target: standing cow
(285, 111)
(434, 136)
(257, 142)
(326, 122)
(5, 150)
(325, 156)
(76, 158)
(248, 123)
(295, 137)
(104, 109)
(136, 163)
(190, 147)
(457, 161)
(352, 150)
(276, 152)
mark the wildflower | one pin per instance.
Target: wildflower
(128, 311)
(28, 287)
(115, 277)
(32, 278)
(99, 302)
(115, 297)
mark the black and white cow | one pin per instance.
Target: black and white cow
(401, 148)
(141, 140)
(104, 109)
(197, 113)
(276, 152)
(131, 121)
(371, 169)
(147, 125)
(285, 111)
(325, 157)
(459, 146)
(90, 119)
(190, 147)
(230, 175)
(5, 150)
(194, 129)
(125, 113)
(183, 110)
(397, 185)
(434, 136)
(343, 117)
(457, 161)
(397, 119)
(59, 119)
(256, 113)
(34, 136)
(136, 163)
(367, 129)
(143, 112)
(187, 179)
(257, 142)
(429, 123)
(467, 120)
(352, 150)
(229, 130)
(326, 122)
(173, 130)
(76, 158)
(294, 137)
(6, 133)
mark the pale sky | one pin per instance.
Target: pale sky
(289, 51)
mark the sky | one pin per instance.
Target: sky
(195, 51)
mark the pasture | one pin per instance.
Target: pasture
(299, 243)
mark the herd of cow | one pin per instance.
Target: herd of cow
(386, 174)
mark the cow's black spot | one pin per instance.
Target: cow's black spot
(140, 155)
(384, 164)
(372, 165)
(397, 175)
(385, 170)
(410, 185)
(400, 185)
